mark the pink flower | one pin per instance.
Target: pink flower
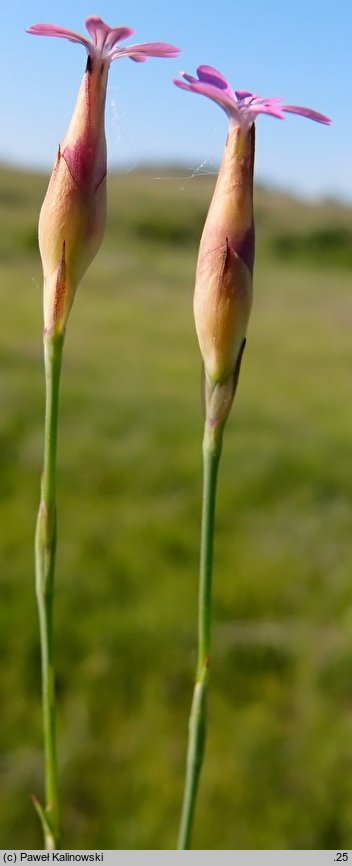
(73, 215)
(105, 39)
(241, 106)
(223, 287)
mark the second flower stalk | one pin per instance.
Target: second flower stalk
(222, 306)
(71, 229)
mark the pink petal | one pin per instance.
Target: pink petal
(307, 112)
(138, 58)
(221, 97)
(243, 94)
(211, 76)
(146, 49)
(56, 30)
(264, 100)
(272, 110)
(241, 106)
(184, 85)
(103, 36)
(189, 78)
(262, 105)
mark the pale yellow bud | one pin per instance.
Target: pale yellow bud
(73, 215)
(223, 290)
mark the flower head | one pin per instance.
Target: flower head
(104, 41)
(241, 106)
(73, 215)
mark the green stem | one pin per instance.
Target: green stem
(212, 443)
(45, 545)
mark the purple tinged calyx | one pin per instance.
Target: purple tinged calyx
(105, 39)
(241, 106)
(72, 218)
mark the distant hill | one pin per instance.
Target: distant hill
(168, 206)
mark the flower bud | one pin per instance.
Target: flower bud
(223, 289)
(73, 215)
(223, 292)
(72, 219)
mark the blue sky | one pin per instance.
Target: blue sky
(299, 50)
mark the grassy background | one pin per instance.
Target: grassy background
(278, 770)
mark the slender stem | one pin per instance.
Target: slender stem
(212, 443)
(45, 545)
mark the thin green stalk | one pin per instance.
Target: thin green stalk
(212, 443)
(45, 545)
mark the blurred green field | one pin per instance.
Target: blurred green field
(278, 769)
